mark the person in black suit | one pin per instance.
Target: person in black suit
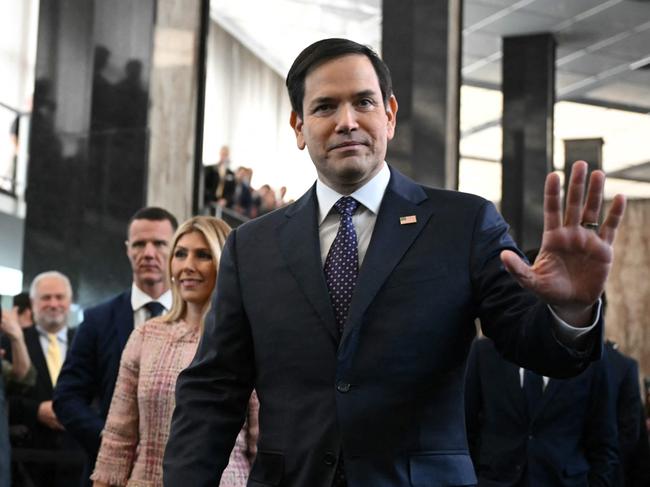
(46, 455)
(220, 182)
(624, 377)
(566, 437)
(85, 387)
(351, 311)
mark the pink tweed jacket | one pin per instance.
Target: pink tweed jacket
(137, 427)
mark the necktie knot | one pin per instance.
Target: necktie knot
(154, 308)
(346, 205)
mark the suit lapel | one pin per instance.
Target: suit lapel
(390, 240)
(300, 246)
(124, 319)
(33, 344)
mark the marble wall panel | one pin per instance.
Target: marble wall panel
(172, 114)
(628, 289)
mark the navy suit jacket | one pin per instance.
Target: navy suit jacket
(624, 378)
(85, 386)
(570, 439)
(389, 393)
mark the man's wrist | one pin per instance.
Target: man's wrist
(580, 317)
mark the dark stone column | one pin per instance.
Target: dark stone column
(528, 98)
(88, 141)
(421, 43)
(588, 150)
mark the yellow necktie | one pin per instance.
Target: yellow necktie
(53, 357)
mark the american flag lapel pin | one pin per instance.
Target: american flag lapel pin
(407, 220)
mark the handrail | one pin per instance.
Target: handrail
(12, 109)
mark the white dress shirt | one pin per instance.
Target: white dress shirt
(370, 196)
(139, 298)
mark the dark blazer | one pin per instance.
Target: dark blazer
(389, 396)
(624, 378)
(569, 440)
(85, 387)
(64, 469)
(212, 178)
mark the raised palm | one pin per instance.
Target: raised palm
(574, 260)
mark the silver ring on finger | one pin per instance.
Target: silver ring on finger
(590, 226)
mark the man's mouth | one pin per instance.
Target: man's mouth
(351, 144)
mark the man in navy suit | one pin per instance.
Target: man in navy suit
(351, 311)
(624, 380)
(85, 387)
(567, 437)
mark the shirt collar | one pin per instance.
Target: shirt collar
(139, 298)
(369, 195)
(61, 335)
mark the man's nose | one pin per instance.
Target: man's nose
(346, 119)
(149, 249)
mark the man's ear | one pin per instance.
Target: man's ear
(296, 125)
(391, 114)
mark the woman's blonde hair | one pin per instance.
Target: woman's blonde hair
(215, 231)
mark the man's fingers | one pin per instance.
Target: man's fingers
(614, 217)
(591, 211)
(552, 202)
(518, 268)
(575, 193)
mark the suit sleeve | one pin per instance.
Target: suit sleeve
(77, 387)
(519, 324)
(213, 392)
(120, 435)
(600, 431)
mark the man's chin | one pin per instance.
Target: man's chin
(152, 280)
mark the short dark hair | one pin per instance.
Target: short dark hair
(326, 50)
(23, 302)
(153, 213)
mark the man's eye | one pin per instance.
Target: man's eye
(366, 103)
(160, 243)
(322, 108)
(137, 245)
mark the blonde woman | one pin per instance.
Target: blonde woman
(137, 427)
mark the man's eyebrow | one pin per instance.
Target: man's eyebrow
(322, 99)
(366, 93)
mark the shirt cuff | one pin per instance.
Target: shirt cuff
(571, 336)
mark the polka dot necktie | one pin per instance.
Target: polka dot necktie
(342, 262)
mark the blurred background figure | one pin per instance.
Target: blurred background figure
(44, 454)
(24, 309)
(18, 372)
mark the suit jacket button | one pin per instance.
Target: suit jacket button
(329, 458)
(342, 386)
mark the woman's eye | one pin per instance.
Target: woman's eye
(180, 254)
